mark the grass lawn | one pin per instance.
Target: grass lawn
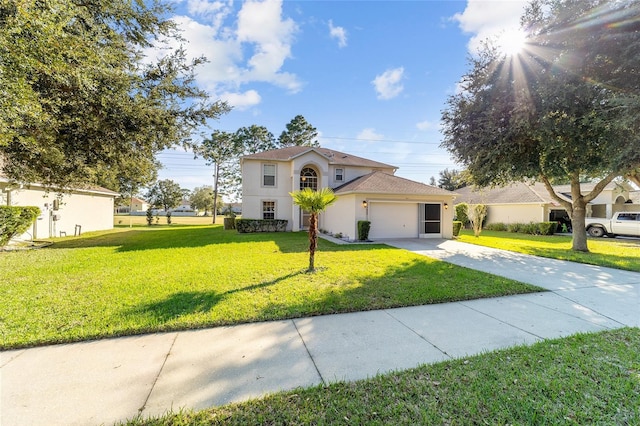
(612, 252)
(127, 220)
(583, 379)
(147, 279)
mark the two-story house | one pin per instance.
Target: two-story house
(366, 190)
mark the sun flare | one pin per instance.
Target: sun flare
(511, 42)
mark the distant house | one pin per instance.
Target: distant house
(132, 205)
(79, 210)
(366, 190)
(522, 203)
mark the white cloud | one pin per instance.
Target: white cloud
(426, 125)
(388, 85)
(251, 48)
(213, 11)
(369, 134)
(338, 33)
(260, 24)
(485, 19)
(242, 101)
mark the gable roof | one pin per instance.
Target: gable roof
(385, 183)
(334, 157)
(515, 193)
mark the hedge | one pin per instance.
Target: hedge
(533, 228)
(246, 226)
(15, 221)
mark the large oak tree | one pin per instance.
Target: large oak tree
(80, 103)
(566, 108)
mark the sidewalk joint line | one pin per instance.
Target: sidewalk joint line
(418, 334)
(313, 361)
(153, 385)
(591, 309)
(501, 321)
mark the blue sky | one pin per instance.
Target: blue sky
(371, 76)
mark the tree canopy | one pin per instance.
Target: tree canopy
(81, 103)
(565, 108)
(165, 193)
(298, 133)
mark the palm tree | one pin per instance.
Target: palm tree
(313, 202)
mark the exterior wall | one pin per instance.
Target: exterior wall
(516, 213)
(343, 215)
(93, 212)
(254, 193)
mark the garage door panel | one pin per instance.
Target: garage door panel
(390, 220)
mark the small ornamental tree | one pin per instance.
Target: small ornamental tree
(313, 202)
(476, 214)
(15, 221)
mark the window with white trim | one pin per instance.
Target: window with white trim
(268, 175)
(268, 209)
(339, 175)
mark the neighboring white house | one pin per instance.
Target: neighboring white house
(132, 205)
(79, 210)
(523, 203)
(366, 190)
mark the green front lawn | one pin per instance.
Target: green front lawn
(589, 379)
(611, 252)
(141, 279)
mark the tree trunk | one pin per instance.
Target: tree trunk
(215, 192)
(313, 240)
(579, 241)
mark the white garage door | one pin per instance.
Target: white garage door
(393, 220)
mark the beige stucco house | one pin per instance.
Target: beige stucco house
(523, 203)
(366, 190)
(79, 210)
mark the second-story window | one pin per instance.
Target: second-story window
(339, 175)
(268, 175)
(309, 179)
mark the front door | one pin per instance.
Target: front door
(430, 217)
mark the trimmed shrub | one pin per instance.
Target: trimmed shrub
(547, 228)
(498, 226)
(461, 214)
(514, 227)
(15, 221)
(246, 226)
(363, 230)
(530, 228)
(457, 225)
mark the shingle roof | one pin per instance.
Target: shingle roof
(516, 193)
(86, 188)
(334, 157)
(385, 183)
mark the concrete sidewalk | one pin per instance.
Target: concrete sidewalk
(112, 380)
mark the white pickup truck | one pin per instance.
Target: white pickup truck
(622, 223)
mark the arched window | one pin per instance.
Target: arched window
(309, 178)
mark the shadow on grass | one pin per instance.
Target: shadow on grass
(193, 302)
(193, 236)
